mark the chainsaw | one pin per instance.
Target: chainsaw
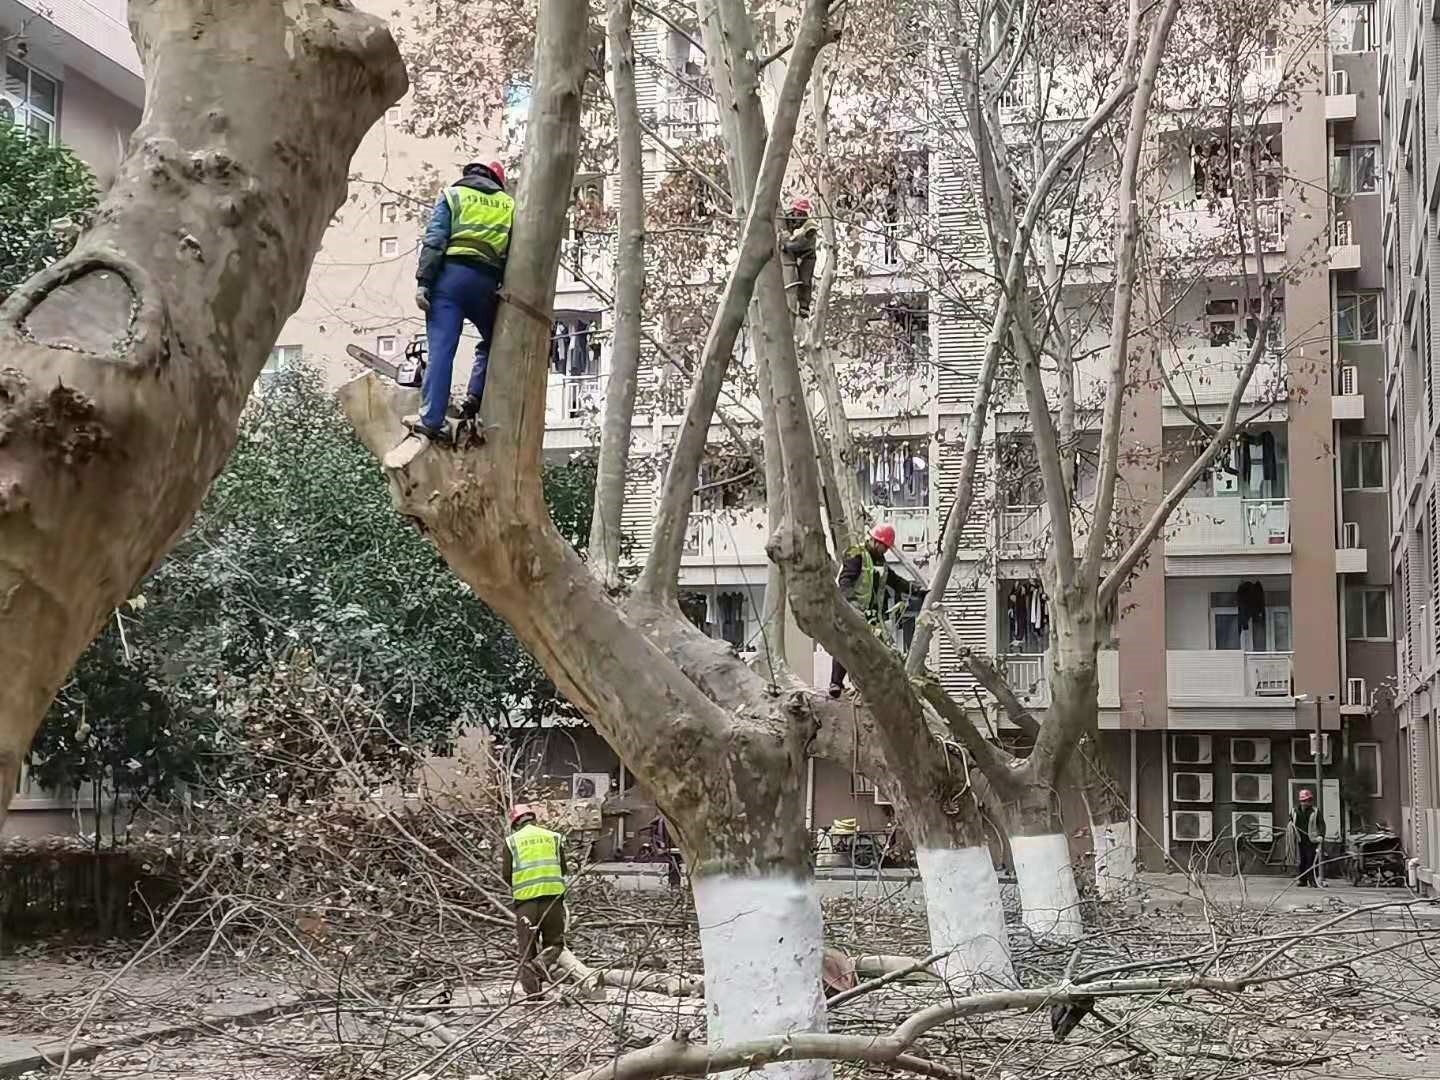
(410, 373)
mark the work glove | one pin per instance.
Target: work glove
(422, 300)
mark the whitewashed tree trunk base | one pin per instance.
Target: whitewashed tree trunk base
(1116, 873)
(1049, 901)
(967, 919)
(762, 940)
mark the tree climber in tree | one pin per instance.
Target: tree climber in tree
(865, 581)
(462, 266)
(798, 245)
(534, 864)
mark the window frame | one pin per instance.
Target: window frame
(282, 359)
(1355, 298)
(25, 109)
(1367, 20)
(389, 213)
(393, 242)
(394, 114)
(1361, 591)
(381, 350)
(1348, 155)
(1358, 445)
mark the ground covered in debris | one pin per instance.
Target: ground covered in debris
(1360, 999)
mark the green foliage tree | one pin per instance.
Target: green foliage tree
(47, 196)
(296, 562)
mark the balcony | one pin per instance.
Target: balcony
(1025, 672)
(1024, 529)
(912, 526)
(1209, 228)
(1212, 525)
(573, 399)
(1208, 374)
(723, 538)
(1344, 247)
(1200, 677)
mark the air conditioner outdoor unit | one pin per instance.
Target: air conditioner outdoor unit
(1193, 787)
(1339, 83)
(1250, 751)
(1355, 692)
(1350, 535)
(1252, 787)
(1193, 824)
(589, 785)
(1300, 751)
(1349, 379)
(1190, 749)
(1258, 825)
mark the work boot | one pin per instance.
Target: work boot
(471, 408)
(836, 691)
(435, 435)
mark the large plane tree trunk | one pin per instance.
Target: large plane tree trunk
(124, 367)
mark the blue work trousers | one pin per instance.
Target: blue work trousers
(463, 291)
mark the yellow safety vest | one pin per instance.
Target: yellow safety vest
(480, 224)
(535, 863)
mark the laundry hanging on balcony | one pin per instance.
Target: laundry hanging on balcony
(1029, 614)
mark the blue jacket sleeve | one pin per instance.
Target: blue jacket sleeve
(432, 248)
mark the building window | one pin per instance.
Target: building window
(861, 784)
(385, 346)
(393, 114)
(575, 346)
(1352, 28)
(1356, 170)
(30, 100)
(1367, 614)
(1251, 620)
(389, 213)
(1368, 781)
(283, 358)
(1362, 465)
(1357, 317)
(389, 247)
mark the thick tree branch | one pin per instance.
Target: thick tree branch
(605, 533)
(125, 366)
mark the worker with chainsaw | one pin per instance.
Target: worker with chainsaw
(866, 582)
(462, 266)
(534, 865)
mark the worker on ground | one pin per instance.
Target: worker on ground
(462, 266)
(534, 864)
(1308, 831)
(866, 582)
(797, 244)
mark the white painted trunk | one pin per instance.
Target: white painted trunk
(967, 919)
(1049, 901)
(762, 939)
(1116, 873)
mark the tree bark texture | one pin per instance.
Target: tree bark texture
(124, 367)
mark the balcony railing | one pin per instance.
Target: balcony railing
(1228, 674)
(912, 525)
(1218, 522)
(1024, 529)
(726, 538)
(569, 398)
(1025, 673)
(1210, 228)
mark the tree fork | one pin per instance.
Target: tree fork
(114, 422)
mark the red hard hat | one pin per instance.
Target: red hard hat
(499, 171)
(520, 810)
(801, 206)
(883, 534)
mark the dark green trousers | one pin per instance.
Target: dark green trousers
(539, 924)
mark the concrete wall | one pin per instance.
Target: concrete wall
(96, 125)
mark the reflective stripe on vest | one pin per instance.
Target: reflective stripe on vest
(480, 223)
(535, 863)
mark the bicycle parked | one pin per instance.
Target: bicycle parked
(1250, 851)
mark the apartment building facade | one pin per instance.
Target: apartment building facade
(1264, 616)
(1409, 87)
